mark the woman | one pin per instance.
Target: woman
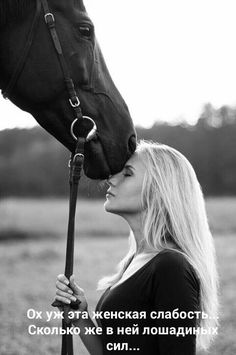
(163, 298)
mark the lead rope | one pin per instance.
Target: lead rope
(75, 165)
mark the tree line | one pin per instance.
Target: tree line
(32, 163)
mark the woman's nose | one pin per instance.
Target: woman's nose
(112, 180)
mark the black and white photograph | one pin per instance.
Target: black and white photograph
(117, 177)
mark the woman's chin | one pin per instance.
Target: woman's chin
(109, 208)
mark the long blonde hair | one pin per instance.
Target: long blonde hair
(173, 204)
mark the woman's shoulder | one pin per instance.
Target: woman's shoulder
(170, 258)
(172, 265)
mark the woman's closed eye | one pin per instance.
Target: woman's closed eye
(127, 173)
(128, 170)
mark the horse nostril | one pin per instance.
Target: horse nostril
(132, 144)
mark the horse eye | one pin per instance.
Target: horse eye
(85, 31)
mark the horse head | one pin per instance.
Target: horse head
(40, 88)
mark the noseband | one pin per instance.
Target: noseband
(77, 158)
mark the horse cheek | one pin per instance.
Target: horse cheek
(83, 73)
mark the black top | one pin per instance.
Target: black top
(165, 283)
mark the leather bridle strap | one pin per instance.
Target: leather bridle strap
(21, 63)
(50, 21)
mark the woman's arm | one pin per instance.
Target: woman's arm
(70, 291)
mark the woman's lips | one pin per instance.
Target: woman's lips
(109, 193)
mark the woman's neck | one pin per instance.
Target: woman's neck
(135, 223)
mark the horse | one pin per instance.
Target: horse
(39, 86)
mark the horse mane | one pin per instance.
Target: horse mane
(13, 10)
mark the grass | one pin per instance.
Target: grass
(29, 265)
(49, 216)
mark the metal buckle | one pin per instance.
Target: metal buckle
(48, 21)
(78, 155)
(76, 104)
(90, 135)
(72, 159)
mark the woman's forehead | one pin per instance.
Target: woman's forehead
(135, 160)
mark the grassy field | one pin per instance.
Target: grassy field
(32, 251)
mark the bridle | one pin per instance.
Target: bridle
(72, 95)
(77, 158)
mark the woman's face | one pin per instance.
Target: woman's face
(124, 194)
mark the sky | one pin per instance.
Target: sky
(168, 58)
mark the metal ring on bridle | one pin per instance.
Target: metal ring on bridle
(90, 135)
